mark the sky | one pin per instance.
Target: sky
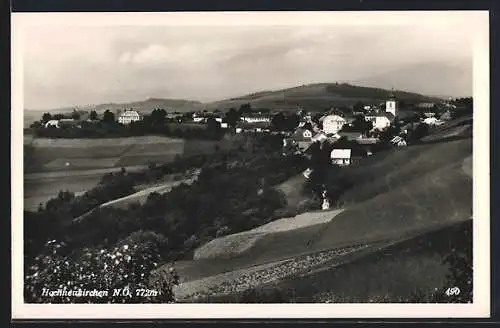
(80, 65)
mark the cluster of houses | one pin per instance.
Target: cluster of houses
(332, 125)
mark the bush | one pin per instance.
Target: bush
(127, 266)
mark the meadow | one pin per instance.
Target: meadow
(76, 165)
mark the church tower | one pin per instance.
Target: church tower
(391, 105)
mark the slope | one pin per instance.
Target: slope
(405, 197)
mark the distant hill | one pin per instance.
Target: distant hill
(146, 106)
(317, 97)
(143, 106)
(312, 97)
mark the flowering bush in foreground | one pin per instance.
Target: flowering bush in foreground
(117, 275)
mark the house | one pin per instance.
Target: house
(301, 134)
(380, 121)
(204, 116)
(425, 105)
(52, 123)
(432, 121)
(341, 157)
(332, 123)
(256, 118)
(129, 116)
(398, 141)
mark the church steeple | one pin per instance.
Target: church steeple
(392, 96)
(390, 104)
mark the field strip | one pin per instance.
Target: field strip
(240, 280)
(64, 174)
(240, 242)
(161, 189)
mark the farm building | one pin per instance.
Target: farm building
(129, 116)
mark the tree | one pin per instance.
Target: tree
(108, 117)
(245, 108)
(358, 106)
(232, 117)
(213, 128)
(360, 124)
(158, 116)
(93, 115)
(75, 115)
(278, 121)
(46, 117)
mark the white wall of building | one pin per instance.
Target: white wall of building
(333, 124)
(129, 116)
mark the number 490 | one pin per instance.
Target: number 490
(452, 291)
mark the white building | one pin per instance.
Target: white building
(380, 121)
(256, 118)
(341, 157)
(54, 123)
(432, 121)
(333, 123)
(129, 116)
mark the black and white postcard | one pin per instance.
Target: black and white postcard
(250, 165)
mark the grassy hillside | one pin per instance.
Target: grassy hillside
(395, 194)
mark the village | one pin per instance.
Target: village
(353, 133)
